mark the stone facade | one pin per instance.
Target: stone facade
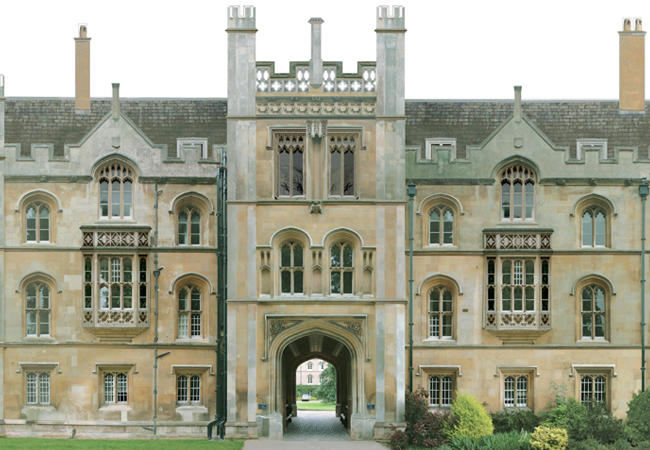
(527, 248)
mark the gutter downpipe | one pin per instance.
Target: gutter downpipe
(156, 274)
(643, 193)
(222, 291)
(412, 192)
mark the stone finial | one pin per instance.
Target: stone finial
(517, 104)
(388, 21)
(316, 61)
(116, 101)
(627, 24)
(241, 17)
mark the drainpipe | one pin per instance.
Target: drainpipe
(156, 274)
(643, 193)
(411, 192)
(222, 293)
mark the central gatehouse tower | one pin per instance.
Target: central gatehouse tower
(316, 230)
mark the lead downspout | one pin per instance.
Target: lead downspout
(643, 193)
(412, 192)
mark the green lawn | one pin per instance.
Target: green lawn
(315, 406)
(110, 444)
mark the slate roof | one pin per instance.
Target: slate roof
(51, 120)
(54, 121)
(471, 122)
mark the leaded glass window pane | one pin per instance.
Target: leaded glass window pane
(182, 389)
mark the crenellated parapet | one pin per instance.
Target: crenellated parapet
(297, 80)
(241, 18)
(390, 19)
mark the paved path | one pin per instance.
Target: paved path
(314, 430)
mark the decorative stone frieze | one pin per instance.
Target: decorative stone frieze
(316, 108)
(517, 239)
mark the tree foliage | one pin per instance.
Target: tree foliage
(327, 389)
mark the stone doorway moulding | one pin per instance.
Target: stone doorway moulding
(350, 330)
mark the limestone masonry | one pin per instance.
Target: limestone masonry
(527, 225)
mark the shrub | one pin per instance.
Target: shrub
(549, 438)
(584, 422)
(423, 428)
(473, 421)
(515, 420)
(637, 426)
(513, 440)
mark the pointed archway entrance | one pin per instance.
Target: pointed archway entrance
(335, 339)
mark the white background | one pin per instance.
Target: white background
(454, 49)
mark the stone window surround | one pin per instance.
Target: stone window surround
(441, 143)
(188, 370)
(129, 369)
(39, 281)
(52, 368)
(592, 145)
(52, 204)
(425, 371)
(607, 370)
(530, 372)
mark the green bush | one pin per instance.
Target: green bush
(593, 444)
(473, 421)
(515, 420)
(423, 428)
(549, 438)
(513, 440)
(637, 426)
(584, 422)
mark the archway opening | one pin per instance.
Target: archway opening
(326, 355)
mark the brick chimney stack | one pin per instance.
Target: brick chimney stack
(82, 71)
(632, 66)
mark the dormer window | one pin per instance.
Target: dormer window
(199, 145)
(598, 145)
(434, 144)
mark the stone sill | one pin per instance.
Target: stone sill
(116, 408)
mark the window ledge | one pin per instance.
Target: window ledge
(440, 247)
(189, 340)
(589, 341)
(191, 408)
(443, 341)
(516, 223)
(516, 408)
(116, 408)
(439, 408)
(39, 338)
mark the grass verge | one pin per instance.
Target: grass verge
(315, 406)
(111, 444)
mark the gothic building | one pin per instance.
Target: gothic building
(527, 222)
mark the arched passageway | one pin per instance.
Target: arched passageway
(329, 342)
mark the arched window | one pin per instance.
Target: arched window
(593, 389)
(594, 227)
(291, 268)
(342, 173)
(189, 389)
(321, 365)
(38, 309)
(38, 388)
(593, 312)
(189, 226)
(341, 268)
(440, 391)
(115, 282)
(115, 388)
(189, 312)
(309, 366)
(517, 193)
(116, 192)
(516, 391)
(310, 379)
(441, 225)
(290, 147)
(37, 221)
(441, 312)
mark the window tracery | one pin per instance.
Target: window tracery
(37, 221)
(593, 312)
(189, 226)
(594, 227)
(290, 147)
(517, 193)
(342, 149)
(38, 309)
(116, 192)
(189, 312)
(441, 312)
(342, 268)
(292, 268)
(441, 225)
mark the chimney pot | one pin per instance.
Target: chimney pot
(116, 101)
(82, 70)
(316, 62)
(632, 66)
(517, 104)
